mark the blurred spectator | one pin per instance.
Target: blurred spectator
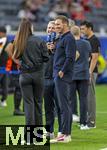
(3, 60)
(30, 9)
(25, 11)
(42, 11)
(77, 12)
(86, 4)
(60, 8)
(101, 64)
(13, 68)
(97, 3)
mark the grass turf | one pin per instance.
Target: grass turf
(93, 139)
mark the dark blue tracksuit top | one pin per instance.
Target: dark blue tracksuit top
(64, 57)
(81, 66)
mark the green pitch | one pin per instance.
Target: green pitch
(93, 139)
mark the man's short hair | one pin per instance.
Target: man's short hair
(2, 29)
(87, 24)
(75, 30)
(63, 18)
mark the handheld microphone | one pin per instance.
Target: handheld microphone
(51, 37)
(48, 40)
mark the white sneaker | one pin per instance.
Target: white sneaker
(59, 134)
(84, 127)
(50, 135)
(75, 118)
(3, 104)
(91, 124)
(63, 139)
(92, 127)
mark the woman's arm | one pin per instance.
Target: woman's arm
(9, 49)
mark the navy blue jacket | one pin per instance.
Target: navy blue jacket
(64, 57)
(81, 66)
(49, 67)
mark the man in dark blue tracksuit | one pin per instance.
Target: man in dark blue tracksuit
(63, 66)
(81, 75)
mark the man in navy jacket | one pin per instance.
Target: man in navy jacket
(63, 67)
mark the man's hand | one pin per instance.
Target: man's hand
(91, 76)
(94, 60)
(77, 55)
(50, 46)
(61, 74)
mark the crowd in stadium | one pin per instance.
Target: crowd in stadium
(40, 12)
(75, 9)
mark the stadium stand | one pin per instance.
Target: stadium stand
(95, 11)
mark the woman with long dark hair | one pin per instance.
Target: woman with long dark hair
(31, 53)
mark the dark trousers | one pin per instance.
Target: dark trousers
(17, 92)
(81, 86)
(4, 86)
(32, 92)
(75, 105)
(50, 100)
(63, 90)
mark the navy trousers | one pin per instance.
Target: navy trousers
(63, 90)
(81, 86)
(75, 105)
(50, 101)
